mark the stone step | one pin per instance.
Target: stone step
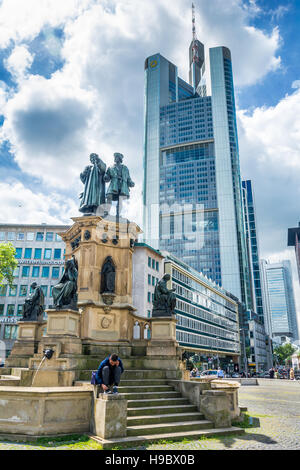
(132, 374)
(9, 381)
(158, 410)
(150, 395)
(164, 418)
(157, 402)
(143, 382)
(175, 436)
(141, 389)
(163, 428)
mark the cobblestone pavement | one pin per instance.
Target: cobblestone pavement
(275, 402)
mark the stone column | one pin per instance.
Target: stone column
(110, 416)
(214, 404)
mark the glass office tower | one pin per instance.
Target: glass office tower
(253, 248)
(192, 186)
(280, 293)
(294, 240)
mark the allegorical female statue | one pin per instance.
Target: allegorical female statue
(33, 307)
(92, 177)
(65, 292)
(164, 301)
(108, 276)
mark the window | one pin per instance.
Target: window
(10, 310)
(45, 290)
(39, 236)
(3, 290)
(55, 272)
(149, 261)
(45, 271)
(35, 271)
(47, 253)
(153, 280)
(149, 296)
(38, 253)
(17, 271)
(20, 310)
(1, 309)
(58, 238)
(13, 291)
(149, 313)
(153, 263)
(2, 236)
(149, 279)
(30, 236)
(21, 236)
(157, 266)
(28, 253)
(10, 331)
(25, 271)
(57, 253)
(49, 236)
(18, 254)
(11, 235)
(23, 291)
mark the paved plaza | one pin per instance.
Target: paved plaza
(276, 403)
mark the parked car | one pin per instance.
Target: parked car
(209, 372)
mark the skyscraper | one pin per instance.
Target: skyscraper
(280, 301)
(294, 240)
(253, 248)
(192, 186)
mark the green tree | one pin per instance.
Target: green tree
(8, 263)
(283, 352)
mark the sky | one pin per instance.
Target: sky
(72, 83)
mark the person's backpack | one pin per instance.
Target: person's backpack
(94, 377)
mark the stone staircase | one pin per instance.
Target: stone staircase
(156, 412)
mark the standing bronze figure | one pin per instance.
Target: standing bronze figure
(92, 177)
(120, 183)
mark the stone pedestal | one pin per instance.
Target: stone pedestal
(63, 323)
(110, 416)
(26, 345)
(231, 390)
(106, 317)
(215, 406)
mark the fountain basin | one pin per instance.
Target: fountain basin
(38, 411)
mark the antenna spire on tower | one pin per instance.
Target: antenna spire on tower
(193, 22)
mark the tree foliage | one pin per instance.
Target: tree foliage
(283, 352)
(8, 263)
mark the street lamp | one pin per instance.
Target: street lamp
(244, 348)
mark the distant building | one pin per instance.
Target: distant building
(40, 255)
(207, 316)
(253, 247)
(279, 300)
(294, 240)
(261, 358)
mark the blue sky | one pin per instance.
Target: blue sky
(72, 83)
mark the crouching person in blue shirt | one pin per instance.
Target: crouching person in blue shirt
(109, 373)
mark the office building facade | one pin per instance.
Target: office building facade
(253, 247)
(294, 240)
(280, 301)
(40, 256)
(207, 317)
(192, 187)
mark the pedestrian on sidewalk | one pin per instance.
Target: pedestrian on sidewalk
(292, 374)
(109, 373)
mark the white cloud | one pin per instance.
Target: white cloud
(19, 62)
(269, 150)
(95, 102)
(21, 205)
